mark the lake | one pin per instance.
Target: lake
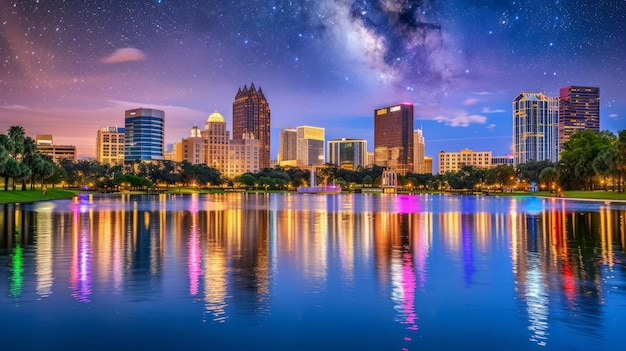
(312, 272)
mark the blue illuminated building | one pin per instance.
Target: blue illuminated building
(144, 134)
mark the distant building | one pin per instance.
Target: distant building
(348, 153)
(370, 159)
(310, 149)
(419, 165)
(192, 147)
(170, 152)
(251, 114)
(428, 165)
(215, 140)
(535, 128)
(579, 109)
(144, 134)
(393, 138)
(507, 159)
(243, 156)
(287, 149)
(110, 146)
(453, 161)
(46, 147)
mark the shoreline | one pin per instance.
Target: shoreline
(19, 196)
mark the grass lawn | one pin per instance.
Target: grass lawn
(34, 195)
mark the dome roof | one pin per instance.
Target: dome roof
(195, 131)
(215, 117)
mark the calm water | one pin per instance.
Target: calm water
(312, 272)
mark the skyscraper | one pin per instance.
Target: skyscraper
(579, 109)
(535, 128)
(348, 153)
(251, 114)
(288, 144)
(393, 137)
(310, 150)
(144, 134)
(110, 146)
(418, 152)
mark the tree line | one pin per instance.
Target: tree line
(588, 161)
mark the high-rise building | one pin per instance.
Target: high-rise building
(251, 114)
(287, 149)
(243, 156)
(110, 146)
(579, 109)
(393, 138)
(310, 149)
(144, 134)
(505, 160)
(419, 166)
(192, 147)
(348, 153)
(45, 146)
(216, 139)
(453, 161)
(535, 128)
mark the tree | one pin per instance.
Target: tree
(606, 164)
(549, 176)
(247, 179)
(576, 164)
(530, 170)
(465, 178)
(367, 180)
(29, 158)
(500, 176)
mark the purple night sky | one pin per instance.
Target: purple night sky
(69, 67)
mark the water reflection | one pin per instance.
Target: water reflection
(257, 257)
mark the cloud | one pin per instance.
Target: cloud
(482, 93)
(491, 126)
(461, 119)
(125, 55)
(489, 110)
(613, 115)
(470, 101)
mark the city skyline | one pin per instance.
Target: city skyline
(326, 64)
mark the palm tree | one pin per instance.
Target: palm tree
(28, 158)
(16, 138)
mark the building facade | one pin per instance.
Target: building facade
(506, 160)
(287, 149)
(215, 140)
(243, 156)
(535, 128)
(348, 153)
(110, 146)
(453, 161)
(251, 114)
(579, 109)
(144, 134)
(428, 165)
(310, 146)
(192, 147)
(45, 146)
(393, 137)
(419, 165)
